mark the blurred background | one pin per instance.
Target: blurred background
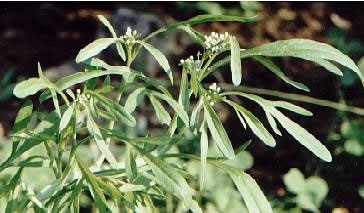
(53, 33)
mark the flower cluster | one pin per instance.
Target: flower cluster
(190, 63)
(130, 36)
(213, 88)
(82, 98)
(217, 42)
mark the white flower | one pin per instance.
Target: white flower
(130, 36)
(214, 88)
(216, 42)
(190, 63)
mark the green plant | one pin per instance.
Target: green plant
(142, 173)
(308, 193)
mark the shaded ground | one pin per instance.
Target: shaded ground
(54, 32)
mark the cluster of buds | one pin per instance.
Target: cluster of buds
(190, 63)
(213, 88)
(82, 98)
(216, 43)
(129, 36)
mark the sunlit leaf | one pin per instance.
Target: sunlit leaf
(176, 107)
(134, 99)
(253, 196)
(169, 178)
(66, 117)
(29, 87)
(95, 132)
(94, 48)
(235, 64)
(278, 72)
(255, 125)
(162, 115)
(218, 131)
(95, 189)
(204, 144)
(162, 60)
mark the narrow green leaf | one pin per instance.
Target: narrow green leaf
(255, 125)
(40, 72)
(55, 102)
(195, 114)
(235, 64)
(199, 20)
(204, 144)
(302, 136)
(218, 131)
(134, 99)
(23, 117)
(95, 189)
(162, 60)
(130, 164)
(169, 178)
(120, 49)
(306, 49)
(107, 24)
(176, 107)
(278, 72)
(116, 108)
(80, 77)
(29, 87)
(272, 122)
(95, 132)
(94, 48)
(66, 117)
(253, 196)
(162, 114)
(241, 119)
(184, 94)
(292, 108)
(199, 37)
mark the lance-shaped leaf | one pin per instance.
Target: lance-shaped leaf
(302, 136)
(162, 115)
(253, 122)
(278, 72)
(306, 49)
(218, 131)
(100, 142)
(298, 132)
(119, 46)
(94, 48)
(175, 106)
(29, 87)
(235, 64)
(199, 20)
(115, 108)
(162, 60)
(107, 24)
(94, 188)
(66, 117)
(253, 196)
(80, 77)
(169, 178)
(23, 117)
(204, 145)
(134, 99)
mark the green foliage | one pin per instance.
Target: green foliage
(148, 172)
(309, 193)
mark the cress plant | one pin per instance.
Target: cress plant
(91, 109)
